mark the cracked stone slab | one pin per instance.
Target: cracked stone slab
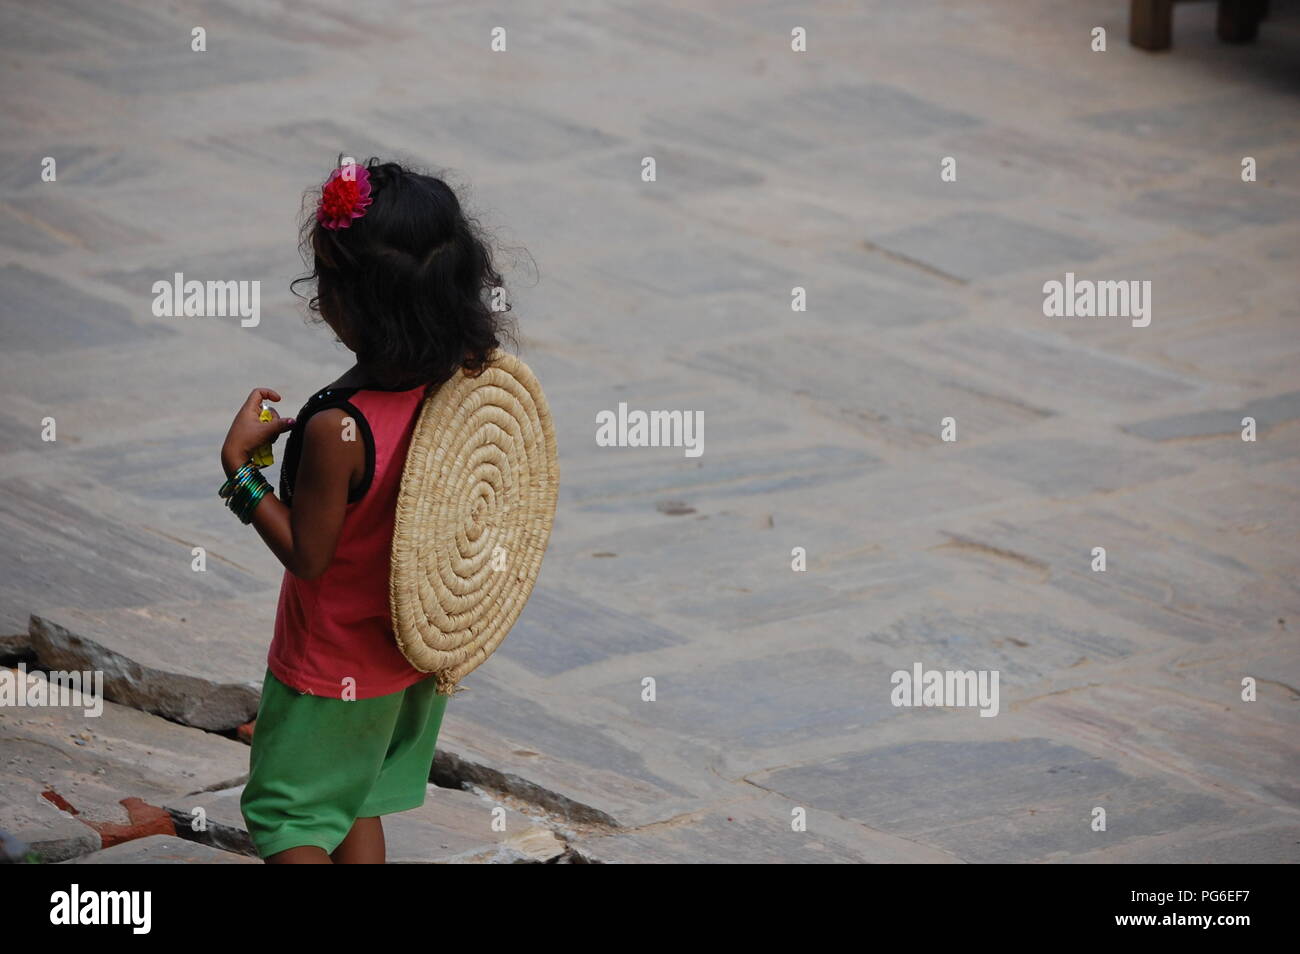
(78, 164)
(1023, 646)
(162, 850)
(307, 147)
(93, 762)
(828, 158)
(896, 399)
(535, 134)
(557, 753)
(1219, 845)
(873, 110)
(975, 245)
(18, 645)
(70, 317)
(598, 209)
(1268, 412)
(1214, 206)
(747, 130)
(1025, 799)
(60, 548)
(688, 269)
(751, 583)
(1263, 346)
(1241, 508)
(1057, 371)
(1062, 467)
(559, 630)
(1036, 155)
(180, 70)
(35, 820)
(1280, 443)
(17, 435)
(684, 171)
(1237, 120)
(757, 830)
(73, 224)
(1154, 578)
(1190, 291)
(748, 704)
(983, 177)
(451, 827)
(630, 31)
(1198, 729)
(194, 663)
(882, 306)
(620, 482)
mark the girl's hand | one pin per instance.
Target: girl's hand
(247, 432)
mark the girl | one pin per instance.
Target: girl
(346, 727)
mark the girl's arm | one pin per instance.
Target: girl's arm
(302, 537)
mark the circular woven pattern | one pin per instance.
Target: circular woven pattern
(473, 518)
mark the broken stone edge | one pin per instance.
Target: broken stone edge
(189, 700)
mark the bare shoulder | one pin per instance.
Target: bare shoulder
(330, 431)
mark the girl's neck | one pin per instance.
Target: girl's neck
(357, 377)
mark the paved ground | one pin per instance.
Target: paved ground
(1120, 690)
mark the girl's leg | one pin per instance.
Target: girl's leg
(302, 855)
(364, 844)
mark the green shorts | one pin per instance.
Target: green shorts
(318, 764)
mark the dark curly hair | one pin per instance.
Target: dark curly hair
(409, 285)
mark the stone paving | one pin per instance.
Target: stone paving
(1120, 690)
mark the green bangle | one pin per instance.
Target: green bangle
(249, 498)
(244, 509)
(246, 514)
(235, 479)
(237, 485)
(245, 494)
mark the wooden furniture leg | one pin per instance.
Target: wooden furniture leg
(1150, 23)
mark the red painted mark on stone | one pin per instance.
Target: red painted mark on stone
(59, 801)
(145, 820)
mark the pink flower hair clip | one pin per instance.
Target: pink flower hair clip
(344, 197)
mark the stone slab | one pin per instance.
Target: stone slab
(1028, 799)
(1060, 467)
(559, 631)
(69, 317)
(452, 827)
(757, 830)
(974, 245)
(777, 169)
(561, 757)
(535, 134)
(1217, 205)
(176, 68)
(1057, 372)
(162, 850)
(90, 756)
(880, 394)
(1022, 646)
(199, 664)
(1228, 121)
(1165, 582)
(61, 549)
(754, 703)
(1268, 412)
(53, 834)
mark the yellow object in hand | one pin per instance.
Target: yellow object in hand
(262, 457)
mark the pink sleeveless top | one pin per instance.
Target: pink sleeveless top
(337, 626)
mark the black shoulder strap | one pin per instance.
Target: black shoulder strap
(328, 398)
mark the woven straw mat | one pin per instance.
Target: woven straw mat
(473, 518)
